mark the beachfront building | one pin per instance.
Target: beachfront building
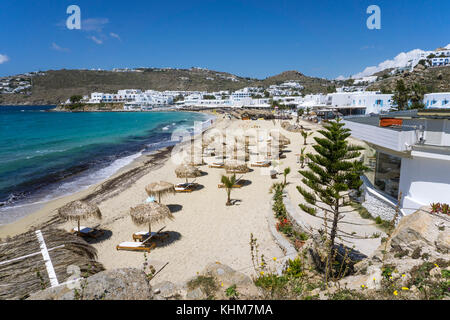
(363, 102)
(242, 94)
(133, 99)
(437, 100)
(408, 154)
(313, 100)
(372, 102)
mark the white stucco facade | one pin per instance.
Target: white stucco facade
(437, 100)
(422, 147)
(424, 180)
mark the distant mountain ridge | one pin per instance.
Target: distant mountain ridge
(57, 86)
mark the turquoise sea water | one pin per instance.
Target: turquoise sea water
(44, 155)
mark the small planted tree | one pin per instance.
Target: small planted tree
(228, 183)
(302, 157)
(285, 173)
(305, 135)
(299, 114)
(334, 170)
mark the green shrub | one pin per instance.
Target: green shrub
(295, 268)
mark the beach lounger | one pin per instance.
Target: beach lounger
(143, 235)
(185, 187)
(273, 174)
(236, 171)
(217, 165)
(238, 184)
(260, 164)
(136, 246)
(87, 232)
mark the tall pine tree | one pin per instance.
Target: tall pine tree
(334, 170)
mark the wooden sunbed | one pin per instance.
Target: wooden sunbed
(141, 235)
(264, 164)
(216, 165)
(236, 171)
(186, 187)
(238, 184)
(87, 232)
(136, 246)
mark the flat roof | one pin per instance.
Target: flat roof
(407, 114)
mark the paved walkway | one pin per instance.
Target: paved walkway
(352, 227)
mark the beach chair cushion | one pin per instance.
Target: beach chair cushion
(83, 229)
(131, 244)
(144, 233)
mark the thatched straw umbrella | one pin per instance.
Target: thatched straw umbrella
(236, 166)
(282, 139)
(77, 210)
(187, 171)
(24, 272)
(159, 189)
(150, 213)
(194, 156)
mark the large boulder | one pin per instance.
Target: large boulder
(418, 238)
(116, 284)
(419, 235)
(224, 277)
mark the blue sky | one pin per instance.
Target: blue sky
(247, 38)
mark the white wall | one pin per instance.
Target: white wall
(424, 181)
(441, 100)
(369, 100)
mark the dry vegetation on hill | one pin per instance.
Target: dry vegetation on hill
(433, 79)
(57, 86)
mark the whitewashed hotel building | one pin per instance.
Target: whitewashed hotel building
(437, 100)
(412, 157)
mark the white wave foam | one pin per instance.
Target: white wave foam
(17, 211)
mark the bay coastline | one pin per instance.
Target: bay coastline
(138, 162)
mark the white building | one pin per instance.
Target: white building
(437, 100)
(363, 102)
(409, 159)
(369, 79)
(372, 102)
(133, 98)
(241, 94)
(313, 100)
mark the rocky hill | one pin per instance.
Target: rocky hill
(433, 79)
(56, 86)
(311, 84)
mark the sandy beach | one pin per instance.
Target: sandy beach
(204, 230)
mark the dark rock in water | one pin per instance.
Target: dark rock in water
(117, 284)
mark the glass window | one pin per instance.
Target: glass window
(387, 173)
(370, 160)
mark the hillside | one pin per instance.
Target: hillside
(311, 84)
(433, 79)
(56, 86)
